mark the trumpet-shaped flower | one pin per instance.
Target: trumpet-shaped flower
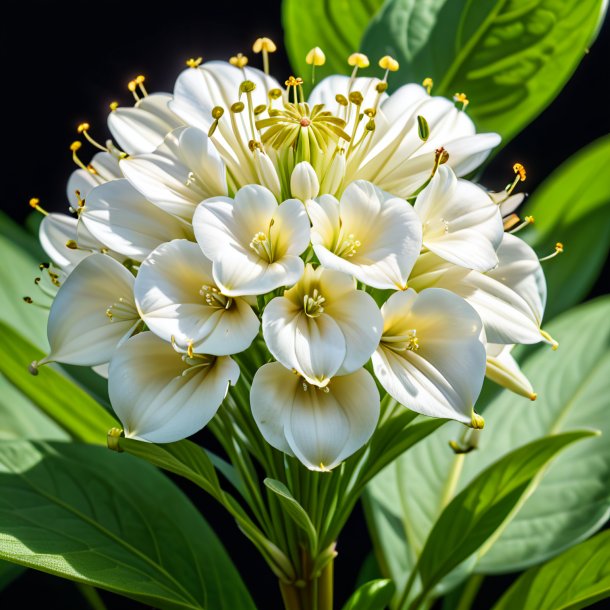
(161, 395)
(254, 243)
(430, 357)
(320, 426)
(322, 326)
(369, 234)
(178, 300)
(460, 222)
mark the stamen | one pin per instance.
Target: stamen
(428, 83)
(194, 62)
(314, 58)
(84, 129)
(558, 250)
(74, 147)
(389, 64)
(239, 60)
(519, 169)
(132, 86)
(313, 304)
(214, 298)
(408, 342)
(477, 421)
(113, 106)
(140, 82)
(510, 221)
(217, 112)
(262, 246)
(528, 220)
(460, 98)
(266, 46)
(423, 129)
(35, 203)
(549, 339)
(122, 310)
(348, 247)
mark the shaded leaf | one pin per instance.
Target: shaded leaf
(373, 595)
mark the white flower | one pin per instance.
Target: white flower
(320, 426)
(304, 184)
(102, 168)
(431, 358)
(140, 129)
(92, 313)
(177, 299)
(503, 369)
(510, 298)
(161, 395)
(460, 222)
(183, 171)
(119, 217)
(322, 326)
(254, 243)
(369, 234)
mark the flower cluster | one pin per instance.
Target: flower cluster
(336, 236)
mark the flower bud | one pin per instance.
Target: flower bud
(304, 184)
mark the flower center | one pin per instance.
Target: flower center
(122, 310)
(313, 304)
(346, 248)
(214, 298)
(261, 244)
(201, 363)
(408, 342)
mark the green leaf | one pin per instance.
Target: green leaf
(26, 240)
(295, 511)
(575, 579)
(113, 522)
(573, 384)
(511, 58)
(373, 595)
(72, 408)
(573, 207)
(477, 511)
(336, 26)
(8, 573)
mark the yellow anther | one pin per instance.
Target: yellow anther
(533, 396)
(35, 203)
(131, 85)
(239, 60)
(315, 57)
(189, 348)
(558, 250)
(140, 79)
(559, 247)
(461, 98)
(389, 63)
(291, 81)
(428, 83)
(76, 145)
(264, 44)
(358, 60)
(549, 339)
(83, 127)
(71, 244)
(519, 170)
(529, 220)
(114, 106)
(194, 62)
(477, 422)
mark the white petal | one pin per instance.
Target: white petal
(154, 395)
(315, 347)
(55, 230)
(167, 292)
(466, 154)
(460, 222)
(118, 216)
(106, 167)
(291, 230)
(321, 428)
(444, 375)
(79, 329)
(267, 174)
(82, 182)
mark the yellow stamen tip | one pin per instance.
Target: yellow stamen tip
(559, 247)
(34, 201)
(529, 219)
(293, 81)
(533, 396)
(477, 422)
(264, 44)
(140, 79)
(358, 60)
(76, 145)
(315, 57)
(131, 85)
(389, 63)
(519, 169)
(83, 127)
(461, 98)
(239, 60)
(194, 62)
(113, 106)
(428, 83)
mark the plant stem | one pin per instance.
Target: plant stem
(91, 595)
(469, 593)
(325, 589)
(290, 596)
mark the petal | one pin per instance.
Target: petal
(503, 369)
(466, 154)
(118, 216)
(54, 232)
(82, 182)
(460, 222)
(167, 291)
(326, 427)
(291, 230)
(79, 328)
(157, 398)
(315, 347)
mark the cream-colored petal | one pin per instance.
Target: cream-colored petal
(54, 232)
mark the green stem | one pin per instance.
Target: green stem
(469, 593)
(91, 595)
(325, 589)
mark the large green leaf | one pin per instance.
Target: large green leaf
(573, 206)
(72, 408)
(372, 595)
(336, 26)
(8, 573)
(114, 522)
(573, 385)
(510, 57)
(576, 579)
(483, 505)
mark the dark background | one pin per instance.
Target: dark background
(64, 62)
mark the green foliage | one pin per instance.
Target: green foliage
(573, 384)
(573, 206)
(511, 58)
(69, 406)
(573, 580)
(373, 595)
(336, 26)
(113, 522)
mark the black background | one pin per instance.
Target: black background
(64, 62)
